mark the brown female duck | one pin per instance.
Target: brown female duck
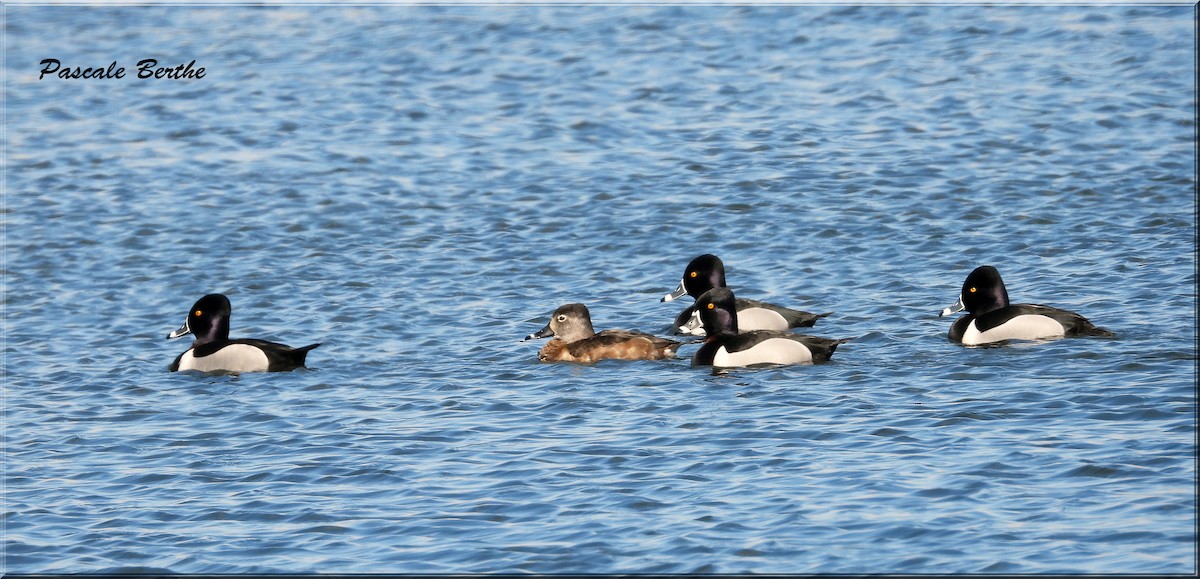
(576, 341)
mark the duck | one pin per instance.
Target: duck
(213, 351)
(574, 340)
(726, 347)
(992, 319)
(707, 272)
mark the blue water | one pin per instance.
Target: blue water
(417, 187)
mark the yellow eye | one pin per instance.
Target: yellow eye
(693, 274)
(972, 290)
(197, 313)
(711, 305)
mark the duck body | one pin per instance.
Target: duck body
(752, 315)
(991, 319)
(213, 351)
(574, 340)
(245, 355)
(726, 347)
(764, 347)
(609, 345)
(707, 272)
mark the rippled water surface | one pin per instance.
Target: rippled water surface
(417, 187)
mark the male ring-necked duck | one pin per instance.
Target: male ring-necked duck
(724, 347)
(707, 272)
(576, 341)
(990, 318)
(213, 351)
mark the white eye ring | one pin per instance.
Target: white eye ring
(562, 317)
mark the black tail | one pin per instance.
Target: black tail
(807, 320)
(839, 341)
(298, 354)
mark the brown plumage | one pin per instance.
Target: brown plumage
(576, 341)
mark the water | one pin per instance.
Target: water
(417, 187)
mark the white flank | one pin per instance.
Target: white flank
(760, 319)
(1025, 327)
(772, 351)
(231, 358)
(748, 319)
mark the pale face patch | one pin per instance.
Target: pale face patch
(231, 358)
(1024, 327)
(772, 351)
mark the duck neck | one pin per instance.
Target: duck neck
(217, 331)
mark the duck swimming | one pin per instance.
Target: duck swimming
(575, 340)
(991, 318)
(213, 351)
(725, 347)
(707, 272)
